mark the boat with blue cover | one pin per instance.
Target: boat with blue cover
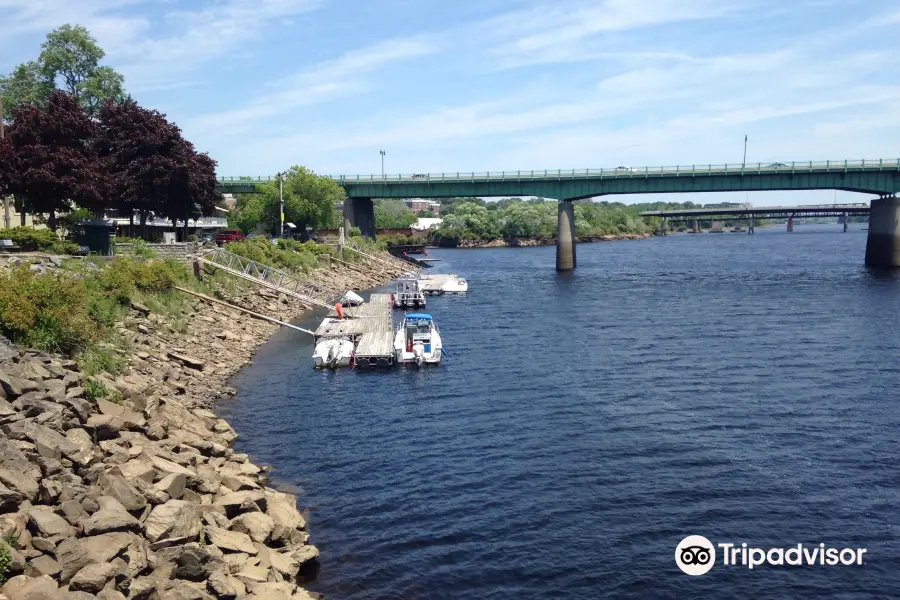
(418, 340)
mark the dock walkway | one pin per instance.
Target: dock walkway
(369, 326)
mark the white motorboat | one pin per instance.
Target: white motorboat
(408, 294)
(331, 354)
(443, 284)
(417, 341)
(351, 299)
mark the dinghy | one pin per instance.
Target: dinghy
(331, 354)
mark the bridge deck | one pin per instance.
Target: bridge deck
(812, 210)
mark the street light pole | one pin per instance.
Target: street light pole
(743, 164)
(382, 153)
(281, 204)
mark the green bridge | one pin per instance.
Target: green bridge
(878, 177)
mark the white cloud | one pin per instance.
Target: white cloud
(198, 37)
(328, 80)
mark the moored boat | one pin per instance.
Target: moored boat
(418, 341)
(333, 353)
(351, 299)
(443, 284)
(408, 294)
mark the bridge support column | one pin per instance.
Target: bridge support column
(360, 212)
(664, 226)
(883, 242)
(790, 224)
(696, 225)
(565, 236)
(845, 222)
(751, 229)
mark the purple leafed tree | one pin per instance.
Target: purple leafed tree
(56, 163)
(152, 169)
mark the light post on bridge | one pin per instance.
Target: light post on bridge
(744, 163)
(382, 153)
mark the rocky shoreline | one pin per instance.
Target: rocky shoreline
(140, 495)
(527, 242)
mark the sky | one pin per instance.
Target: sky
(501, 84)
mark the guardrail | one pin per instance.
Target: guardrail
(879, 164)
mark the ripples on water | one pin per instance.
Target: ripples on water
(739, 387)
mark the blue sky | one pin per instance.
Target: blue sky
(500, 84)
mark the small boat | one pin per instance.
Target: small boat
(331, 354)
(443, 284)
(408, 294)
(417, 341)
(351, 299)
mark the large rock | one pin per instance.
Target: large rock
(230, 540)
(188, 361)
(81, 439)
(114, 484)
(173, 484)
(196, 563)
(9, 499)
(42, 565)
(224, 586)
(185, 590)
(15, 387)
(177, 521)
(74, 554)
(257, 525)
(13, 459)
(239, 502)
(283, 510)
(34, 403)
(138, 468)
(108, 521)
(49, 524)
(27, 588)
(104, 427)
(49, 443)
(168, 467)
(92, 578)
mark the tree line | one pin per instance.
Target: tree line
(74, 140)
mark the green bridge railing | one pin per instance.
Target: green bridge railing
(827, 166)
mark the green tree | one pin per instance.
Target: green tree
(310, 200)
(393, 214)
(70, 60)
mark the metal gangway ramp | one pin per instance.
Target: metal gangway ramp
(270, 277)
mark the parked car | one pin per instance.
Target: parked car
(229, 235)
(621, 168)
(776, 165)
(207, 238)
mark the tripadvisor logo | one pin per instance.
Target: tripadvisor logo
(696, 555)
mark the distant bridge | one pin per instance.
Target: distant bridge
(878, 177)
(750, 213)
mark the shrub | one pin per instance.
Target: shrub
(94, 389)
(5, 562)
(47, 311)
(98, 359)
(31, 239)
(62, 247)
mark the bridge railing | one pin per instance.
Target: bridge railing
(827, 166)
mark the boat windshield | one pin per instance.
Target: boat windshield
(419, 325)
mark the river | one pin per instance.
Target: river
(743, 388)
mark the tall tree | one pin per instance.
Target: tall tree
(8, 178)
(70, 58)
(309, 200)
(152, 169)
(57, 164)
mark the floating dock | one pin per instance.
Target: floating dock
(441, 284)
(369, 326)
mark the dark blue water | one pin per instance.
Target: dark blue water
(744, 388)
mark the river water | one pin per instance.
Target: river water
(743, 388)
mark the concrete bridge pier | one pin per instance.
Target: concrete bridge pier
(790, 224)
(844, 218)
(883, 242)
(751, 229)
(565, 236)
(664, 226)
(360, 212)
(696, 225)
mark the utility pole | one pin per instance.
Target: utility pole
(6, 224)
(281, 204)
(382, 153)
(743, 164)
